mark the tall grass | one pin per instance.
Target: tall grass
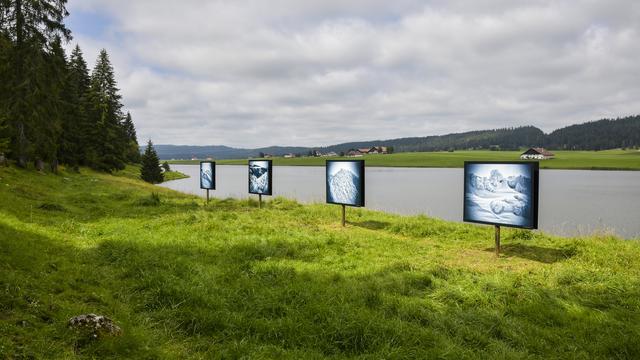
(228, 280)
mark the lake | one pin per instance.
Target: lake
(572, 202)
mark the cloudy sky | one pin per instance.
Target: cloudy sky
(251, 73)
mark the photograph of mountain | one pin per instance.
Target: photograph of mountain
(345, 182)
(207, 175)
(260, 177)
(501, 194)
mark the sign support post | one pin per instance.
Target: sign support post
(497, 240)
(259, 201)
(344, 216)
(207, 196)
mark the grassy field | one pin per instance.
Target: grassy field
(591, 160)
(229, 281)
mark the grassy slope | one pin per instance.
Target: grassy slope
(228, 280)
(174, 175)
(133, 172)
(605, 160)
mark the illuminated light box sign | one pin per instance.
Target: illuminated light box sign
(345, 182)
(260, 177)
(501, 193)
(208, 175)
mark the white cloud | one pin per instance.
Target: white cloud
(255, 73)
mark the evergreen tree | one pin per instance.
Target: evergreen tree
(5, 53)
(75, 129)
(108, 136)
(51, 106)
(31, 26)
(150, 171)
(133, 149)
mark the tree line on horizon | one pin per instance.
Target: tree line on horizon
(52, 110)
(593, 135)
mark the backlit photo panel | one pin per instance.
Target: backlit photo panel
(501, 193)
(208, 175)
(345, 182)
(260, 177)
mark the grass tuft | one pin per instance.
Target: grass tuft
(51, 207)
(152, 200)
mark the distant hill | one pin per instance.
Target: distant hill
(597, 135)
(166, 152)
(594, 135)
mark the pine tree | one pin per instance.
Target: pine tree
(109, 139)
(52, 106)
(150, 171)
(31, 26)
(133, 149)
(75, 141)
(5, 53)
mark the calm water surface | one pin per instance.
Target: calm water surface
(572, 202)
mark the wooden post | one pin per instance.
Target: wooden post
(259, 201)
(344, 216)
(497, 240)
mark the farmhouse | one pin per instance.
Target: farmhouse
(354, 153)
(373, 150)
(537, 154)
(378, 150)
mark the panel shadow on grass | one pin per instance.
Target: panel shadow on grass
(535, 253)
(370, 224)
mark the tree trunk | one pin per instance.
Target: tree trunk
(54, 166)
(22, 144)
(39, 164)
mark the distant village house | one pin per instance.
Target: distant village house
(537, 154)
(371, 150)
(378, 150)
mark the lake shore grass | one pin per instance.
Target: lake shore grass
(228, 280)
(174, 175)
(133, 172)
(576, 160)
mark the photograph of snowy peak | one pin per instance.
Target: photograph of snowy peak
(345, 182)
(207, 175)
(260, 177)
(501, 194)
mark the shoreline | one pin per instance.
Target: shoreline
(221, 163)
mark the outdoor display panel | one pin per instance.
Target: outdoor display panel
(208, 175)
(501, 193)
(260, 177)
(345, 182)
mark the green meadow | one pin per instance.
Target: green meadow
(587, 160)
(227, 280)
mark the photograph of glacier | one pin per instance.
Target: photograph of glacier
(345, 182)
(259, 177)
(500, 194)
(206, 175)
